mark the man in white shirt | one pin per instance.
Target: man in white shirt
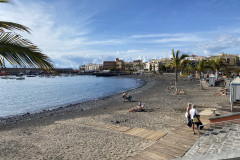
(194, 116)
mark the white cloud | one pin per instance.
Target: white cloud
(70, 45)
(220, 44)
(154, 35)
(47, 33)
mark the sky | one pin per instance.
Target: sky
(77, 32)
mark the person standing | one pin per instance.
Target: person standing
(187, 115)
(195, 117)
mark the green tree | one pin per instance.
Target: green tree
(201, 67)
(161, 67)
(186, 66)
(150, 67)
(19, 51)
(176, 63)
(216, 65)
(191, 69)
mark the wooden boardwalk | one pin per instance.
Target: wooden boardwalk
(138, 132)
(171, 146)
(167, 146)
(144, 133)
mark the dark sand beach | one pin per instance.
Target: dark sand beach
(73, 133)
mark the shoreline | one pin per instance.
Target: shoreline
(70, 133)
(59, 110)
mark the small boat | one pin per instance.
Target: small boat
(12, 77)
(31, 75)
(20, 78)
(5, 77)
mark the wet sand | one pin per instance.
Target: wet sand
(73, 133)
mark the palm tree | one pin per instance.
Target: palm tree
(177, 65)
(191, 68)
(217, 64)
(201, 67)
(185, 65)
(19, 51)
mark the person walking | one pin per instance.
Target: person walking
(187, 115)
(195, 117)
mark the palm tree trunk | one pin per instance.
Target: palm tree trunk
(200, 80)
(216, 74)
(176, 79)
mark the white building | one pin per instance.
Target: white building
(92, 67)
(191, 57)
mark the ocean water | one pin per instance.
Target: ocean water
(40, 93)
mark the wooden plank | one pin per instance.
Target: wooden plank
(159, 153)
(172, 148)
(147, 134)
(136, 157)
(142, 133)
(136, 132)
(156, 135)
(171, 145)
(178, 142)
(188, 138)
(182, 141)
(152, 156)
(133, 131)
(168, 151)
(123, 129)
(182, 127)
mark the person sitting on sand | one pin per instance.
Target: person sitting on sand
(138, 108)
(169, 88)
(126, 97)
(180, 92)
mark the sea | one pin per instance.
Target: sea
(34, 94)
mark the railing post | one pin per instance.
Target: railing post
(198, 135)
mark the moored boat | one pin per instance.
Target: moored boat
(20, 78)
(31, 75)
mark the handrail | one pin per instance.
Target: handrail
(214, 125)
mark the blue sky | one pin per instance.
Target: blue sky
(78, 32)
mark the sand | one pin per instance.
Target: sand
(73, 133)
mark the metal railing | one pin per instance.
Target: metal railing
(216, 123)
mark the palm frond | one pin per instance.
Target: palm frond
(177, 53)
(173, 53)
(13, 26)
(183, 56)
(18, 51)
